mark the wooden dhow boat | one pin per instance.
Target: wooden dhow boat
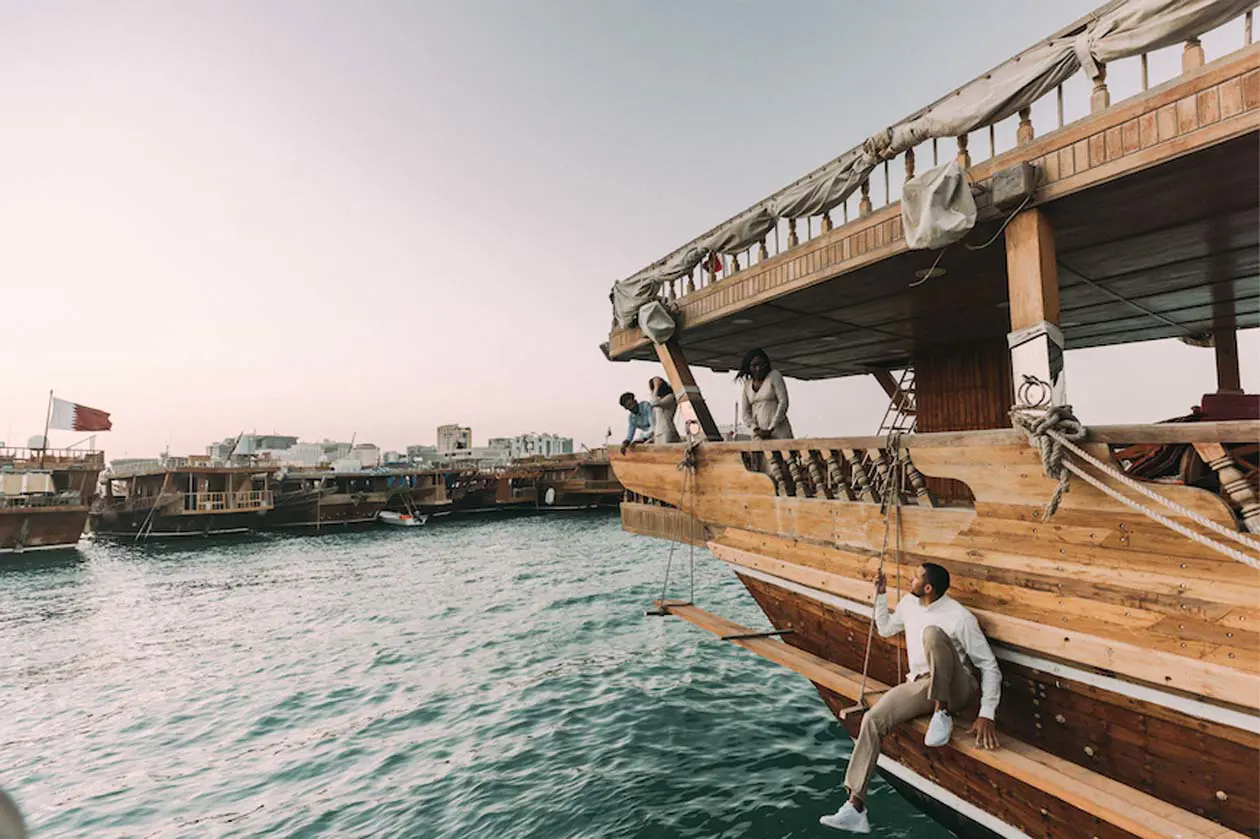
(45, 497)
(1127, 623)
(180, 497)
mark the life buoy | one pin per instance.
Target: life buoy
(549, 497)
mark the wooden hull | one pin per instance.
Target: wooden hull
(128, 524)
(1128, 654)
(311, 511)
(41, 528)
(1178, 758)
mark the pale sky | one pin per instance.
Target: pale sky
(335, 218)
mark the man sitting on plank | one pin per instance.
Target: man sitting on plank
(940, 634)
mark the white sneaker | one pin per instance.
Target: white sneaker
(848, 818)
(939, 729)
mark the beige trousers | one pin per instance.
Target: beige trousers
(948, 681)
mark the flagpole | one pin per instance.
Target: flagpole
(47, 422)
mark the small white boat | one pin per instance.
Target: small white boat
(402, 519)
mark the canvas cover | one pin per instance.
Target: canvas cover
(1123, 29)
(937, 207)
(656, 322)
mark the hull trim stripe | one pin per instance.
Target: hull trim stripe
(965, 808)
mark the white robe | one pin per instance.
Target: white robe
(663, 429)
(766, 408)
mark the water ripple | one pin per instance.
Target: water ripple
(474, 679)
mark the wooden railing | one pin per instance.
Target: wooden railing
(858, 468)
(861, 227)
(21, 456)
(217, 502)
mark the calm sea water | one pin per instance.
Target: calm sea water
(480, 678)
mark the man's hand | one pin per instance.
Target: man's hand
(986, 733)
(761, 434)
(881, 583)
(627, 444)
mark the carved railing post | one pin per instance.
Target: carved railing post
(909, 164)
(1100, 99)
(794, 469)
(734, 263)
(1024, 134)
(1192, 55)
(1234, 484)
(826, 222)
(691, 281)
(881, 475)
(857, 474)
(793, 240)
(864, 206)
(835, 473)
(774, 468)
(964, 156)
(762, 253)
(713, 263)
(921, 490)
(817, 475)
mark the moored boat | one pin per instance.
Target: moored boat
(45, 497)
(181, 497)
(1125, 620)
(397, 519)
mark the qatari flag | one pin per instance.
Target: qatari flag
(74, 417)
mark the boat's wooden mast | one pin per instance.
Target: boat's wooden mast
(684, 385)
(1035, 340)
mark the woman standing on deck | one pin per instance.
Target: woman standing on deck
(664, 403)
(763, 399)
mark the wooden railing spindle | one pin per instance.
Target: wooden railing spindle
(857, 474)
(794, 469)
(1247, 29)
(793, 241)
(864, 206)
(964, 156)
(762, 253)
(1059, 96)
(909, 164)
(835, 473)
(1192, 55)
(1146, 72)
(992, 141)
(1100, 99)
(826, 222)
(916, 481)
(1024, 134)
(817, 474)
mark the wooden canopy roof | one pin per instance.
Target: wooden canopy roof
(1156, 233)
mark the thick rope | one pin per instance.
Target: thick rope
(1047, 433)
(1057, 430)
(890, 497)
(688, 467)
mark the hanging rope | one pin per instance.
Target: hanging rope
(890, 497)
(1057, 430)
(688, 466)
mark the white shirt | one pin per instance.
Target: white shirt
(766, 408)
(962, 628)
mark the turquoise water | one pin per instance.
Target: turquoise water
(483, 678)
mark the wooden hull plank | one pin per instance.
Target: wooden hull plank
(1128, 810)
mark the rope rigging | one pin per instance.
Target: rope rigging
(1053, 430)
(890, 507)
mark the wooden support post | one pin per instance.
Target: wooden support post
(1228, 379)
(1035, 341)
(864, 206)
(684, 385)
(1024, 134)
(964, 156)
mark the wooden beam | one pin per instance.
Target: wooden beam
(1036, 343)
(684, 385)
(1228, 379)
(1032, 271)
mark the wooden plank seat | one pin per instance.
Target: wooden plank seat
(1120, 807)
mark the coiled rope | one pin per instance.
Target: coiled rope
(1052, 430)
